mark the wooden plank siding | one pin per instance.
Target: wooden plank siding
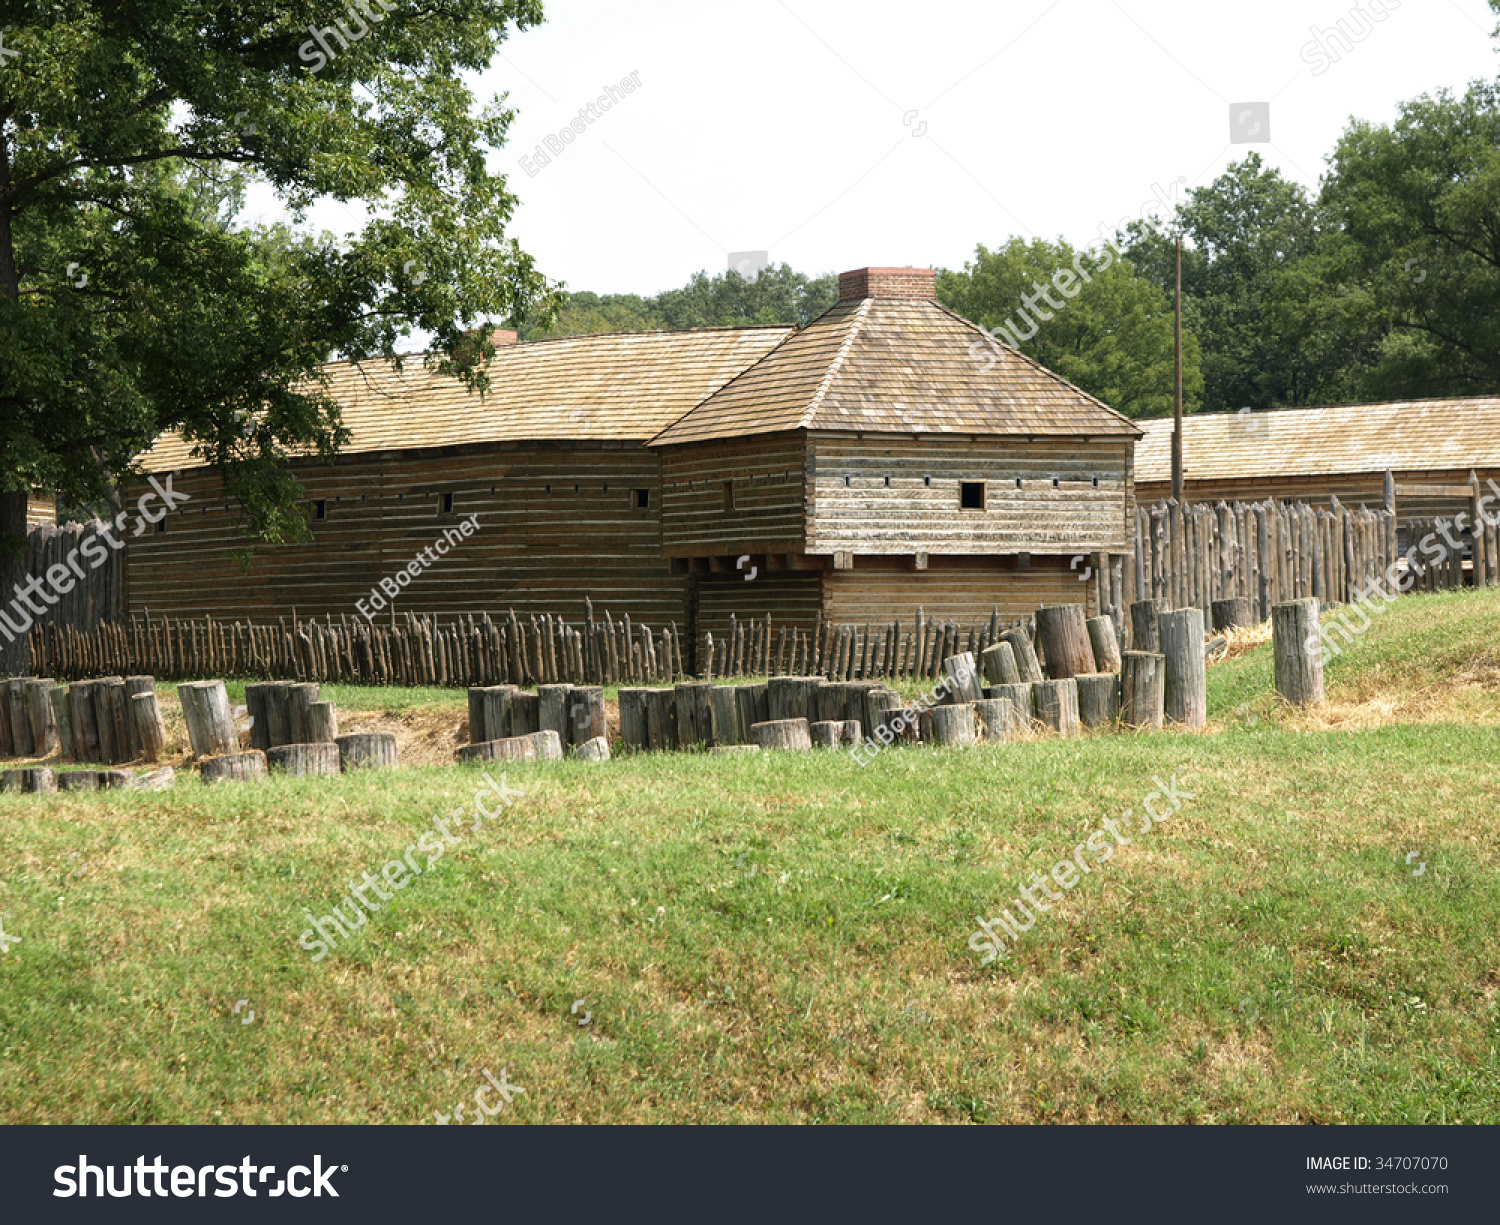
(884, 494)
(1352, 489)
(791, 598)
(963, 589)
(557, 522)
(766, 515)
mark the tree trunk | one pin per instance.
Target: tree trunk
(695, 713)
(1057, 705)
(86, 745)
(299, 700)
(586, 715)
(996, 720)
(1099, 699)
(525, 714)
(145, 720)
(1145, 627)
(726, 700)
(1232, 614)
(62, 718)
(210, 724)
(255, 707)
(834, 733)
(552, 703)
(133, 686)
(782, 733)
(1000, 665)
(1299, 668)
(791, 697)
(1143, 677)
(1186, 698)
(1105, 645)
(233, 767)
(369, 751)
(953, 725)
(1022, 704)
(755, 707)
(661, 719)
(1025, 652)
(1063, 633)
(39, 711)
(321, 723)
(15, 649)
(963, 680)
(109, 715)
(304, 760)
(633, 734)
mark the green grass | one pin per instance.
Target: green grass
(784, 937)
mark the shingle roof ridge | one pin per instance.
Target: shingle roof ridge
(861, 313)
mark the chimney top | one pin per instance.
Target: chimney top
(501, 337)
(910, 283)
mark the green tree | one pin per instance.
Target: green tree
(585, 313)
(131, 303)
(1114, 338)
(776, 295)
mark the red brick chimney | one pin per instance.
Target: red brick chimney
(888, 283)
(500, 338)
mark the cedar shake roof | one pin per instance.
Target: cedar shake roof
(1408, 435)
(624, 386)
(896, 365)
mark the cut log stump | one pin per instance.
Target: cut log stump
(1106, 646)
(1000, 665)
(1143, 680)
(996, 720)
(552, 714)
(1186, 698)
(661, 719)
(586, 719)
(962, 674)
(695, 713)
(1062, 631)
(369, 750)
(726, 702)
(834, 733)
(791, 697)
(233, 767)
(534, 746)
(210, 722)
(155, 780)
(1057, 705)
(1231, 614)
(1298, 648)
(782, 734)
(953, 725)
(39, 712)
(595, 749)
(633, 734)
(62, 717)
(321, 723)
(1024, 650)
(305, 760)
(1145, 625)
(1022, 705)
(150, 731)
(1099, 699)
(36, 779)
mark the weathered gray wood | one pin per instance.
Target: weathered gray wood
(276, 698)
(586, 714)
(255, 708)
(1143, 680)
(233, 767)
(133, 686)
(366, 751)
(1104, 643)
(791, 697)
(34, 779)
(1098, 699)
(305, 760)
(962, 675)
(299, 700)
(1145, 627)
(7, 745)
(149, 731)
(85, 729)
(1298, 651)
(726, 702)
(996, 720)
(737, 748)
(755, 706)
(210, 722)
(534, 746)
(1022, 704)
(552, 713)
(78, 780)
(1186, 697)
(109, 697)
(495, 703)
(1024, 651)
(39, 713)
(633, 726)
(695, 713)
(661, 719)
(18, 720)
(594, 749)
(525, 713)
(476, 714)
(782, 734)
(1056, 704)
(155, 780)
(834, 733)
(1000, 665)
(953, 725)
(321, 723)
(1063, 635)
(62, 717)
(1232, 614)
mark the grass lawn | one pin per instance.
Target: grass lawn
(776, 938)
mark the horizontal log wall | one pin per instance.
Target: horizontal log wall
(884, 495)
(765, 510)
(557, 522)
(962, 589)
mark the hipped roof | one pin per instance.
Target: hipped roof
(1404, 435)
(896, 365)
(625, 386)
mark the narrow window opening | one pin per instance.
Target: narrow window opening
(1096, 482)
(887, 482)
(447, 504)
(642, 499)
(161, 524)
(320, 509)
(728, 495)
(1018, 482)
(1056, 482)
(971, 495)
(846, 482)
(546, 488)
(927, 481)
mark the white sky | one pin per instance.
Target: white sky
(779, 125)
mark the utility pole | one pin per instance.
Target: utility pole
(1177, 398)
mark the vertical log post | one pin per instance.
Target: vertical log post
(1298, 648)
(1186, 697)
